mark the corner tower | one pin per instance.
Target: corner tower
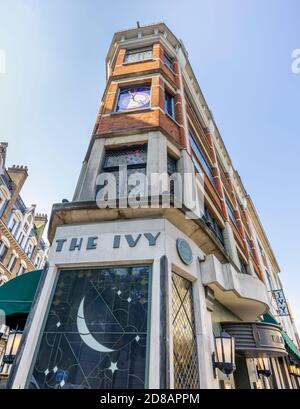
(135, 295)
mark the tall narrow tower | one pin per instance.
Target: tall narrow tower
(135, 294)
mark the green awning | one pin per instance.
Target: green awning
(291, 347)
(17, 294)
(290, 344)
(270, 319)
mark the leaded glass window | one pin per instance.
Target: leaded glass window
(186, 371)
(134, 158)
(95, 336)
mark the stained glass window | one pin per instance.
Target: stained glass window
(186, 374)
(95, 336)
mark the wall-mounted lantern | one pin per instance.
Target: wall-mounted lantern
(224, 355)
(263, 366)
(12, 346)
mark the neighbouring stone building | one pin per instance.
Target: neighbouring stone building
(144, 296)
(22, 247)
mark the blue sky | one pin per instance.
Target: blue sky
(241, 54)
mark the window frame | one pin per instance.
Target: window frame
(206, 167)
(168, 61)
(213, 225)
(138, 51)
(170, 94)
(113, 169)
(127, 87)
(51, 296)
(231, 213)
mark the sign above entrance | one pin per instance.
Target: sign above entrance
(118, 240)
(184, 251)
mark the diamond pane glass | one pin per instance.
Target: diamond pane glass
(186, 375)
(134, 156)
(95, 335)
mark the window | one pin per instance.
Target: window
(171, 169)
(98, 321)
(21, 238)
(213, 225)
(133, 98)
(249, 245)
(37, 262)
(21, 270)
(12, 224)
(201, 158)
(270, 280)
(135, 158)
(138, 54)
(169, 104)
(231, 212)
(29, 250)
(12, 262)
(168, 61)
(243, 266)
(186, 371)
(260, 248)
(171, 165)
(25, 228)
(3, 251)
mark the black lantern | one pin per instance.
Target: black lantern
(12, 346)
(263, 366)
(223, 357)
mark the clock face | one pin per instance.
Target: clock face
(133, 98)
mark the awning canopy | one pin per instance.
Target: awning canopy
(291, 347)
(293, 350)
(17, 294)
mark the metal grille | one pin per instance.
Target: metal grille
(186, 375)
(133, 156)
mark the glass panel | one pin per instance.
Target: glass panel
(186, 375)
(249, 245)
(169, 104)
(95, 336)
(200, 156)
(212, 223)
(243, 266)
(168, 61)
(171, 164)
(138, 54)
(231, 212)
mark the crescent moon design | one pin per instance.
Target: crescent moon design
(85, 334)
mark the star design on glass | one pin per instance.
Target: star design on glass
(113, 367)
(96, 336)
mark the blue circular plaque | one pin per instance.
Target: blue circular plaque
(184, 251)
